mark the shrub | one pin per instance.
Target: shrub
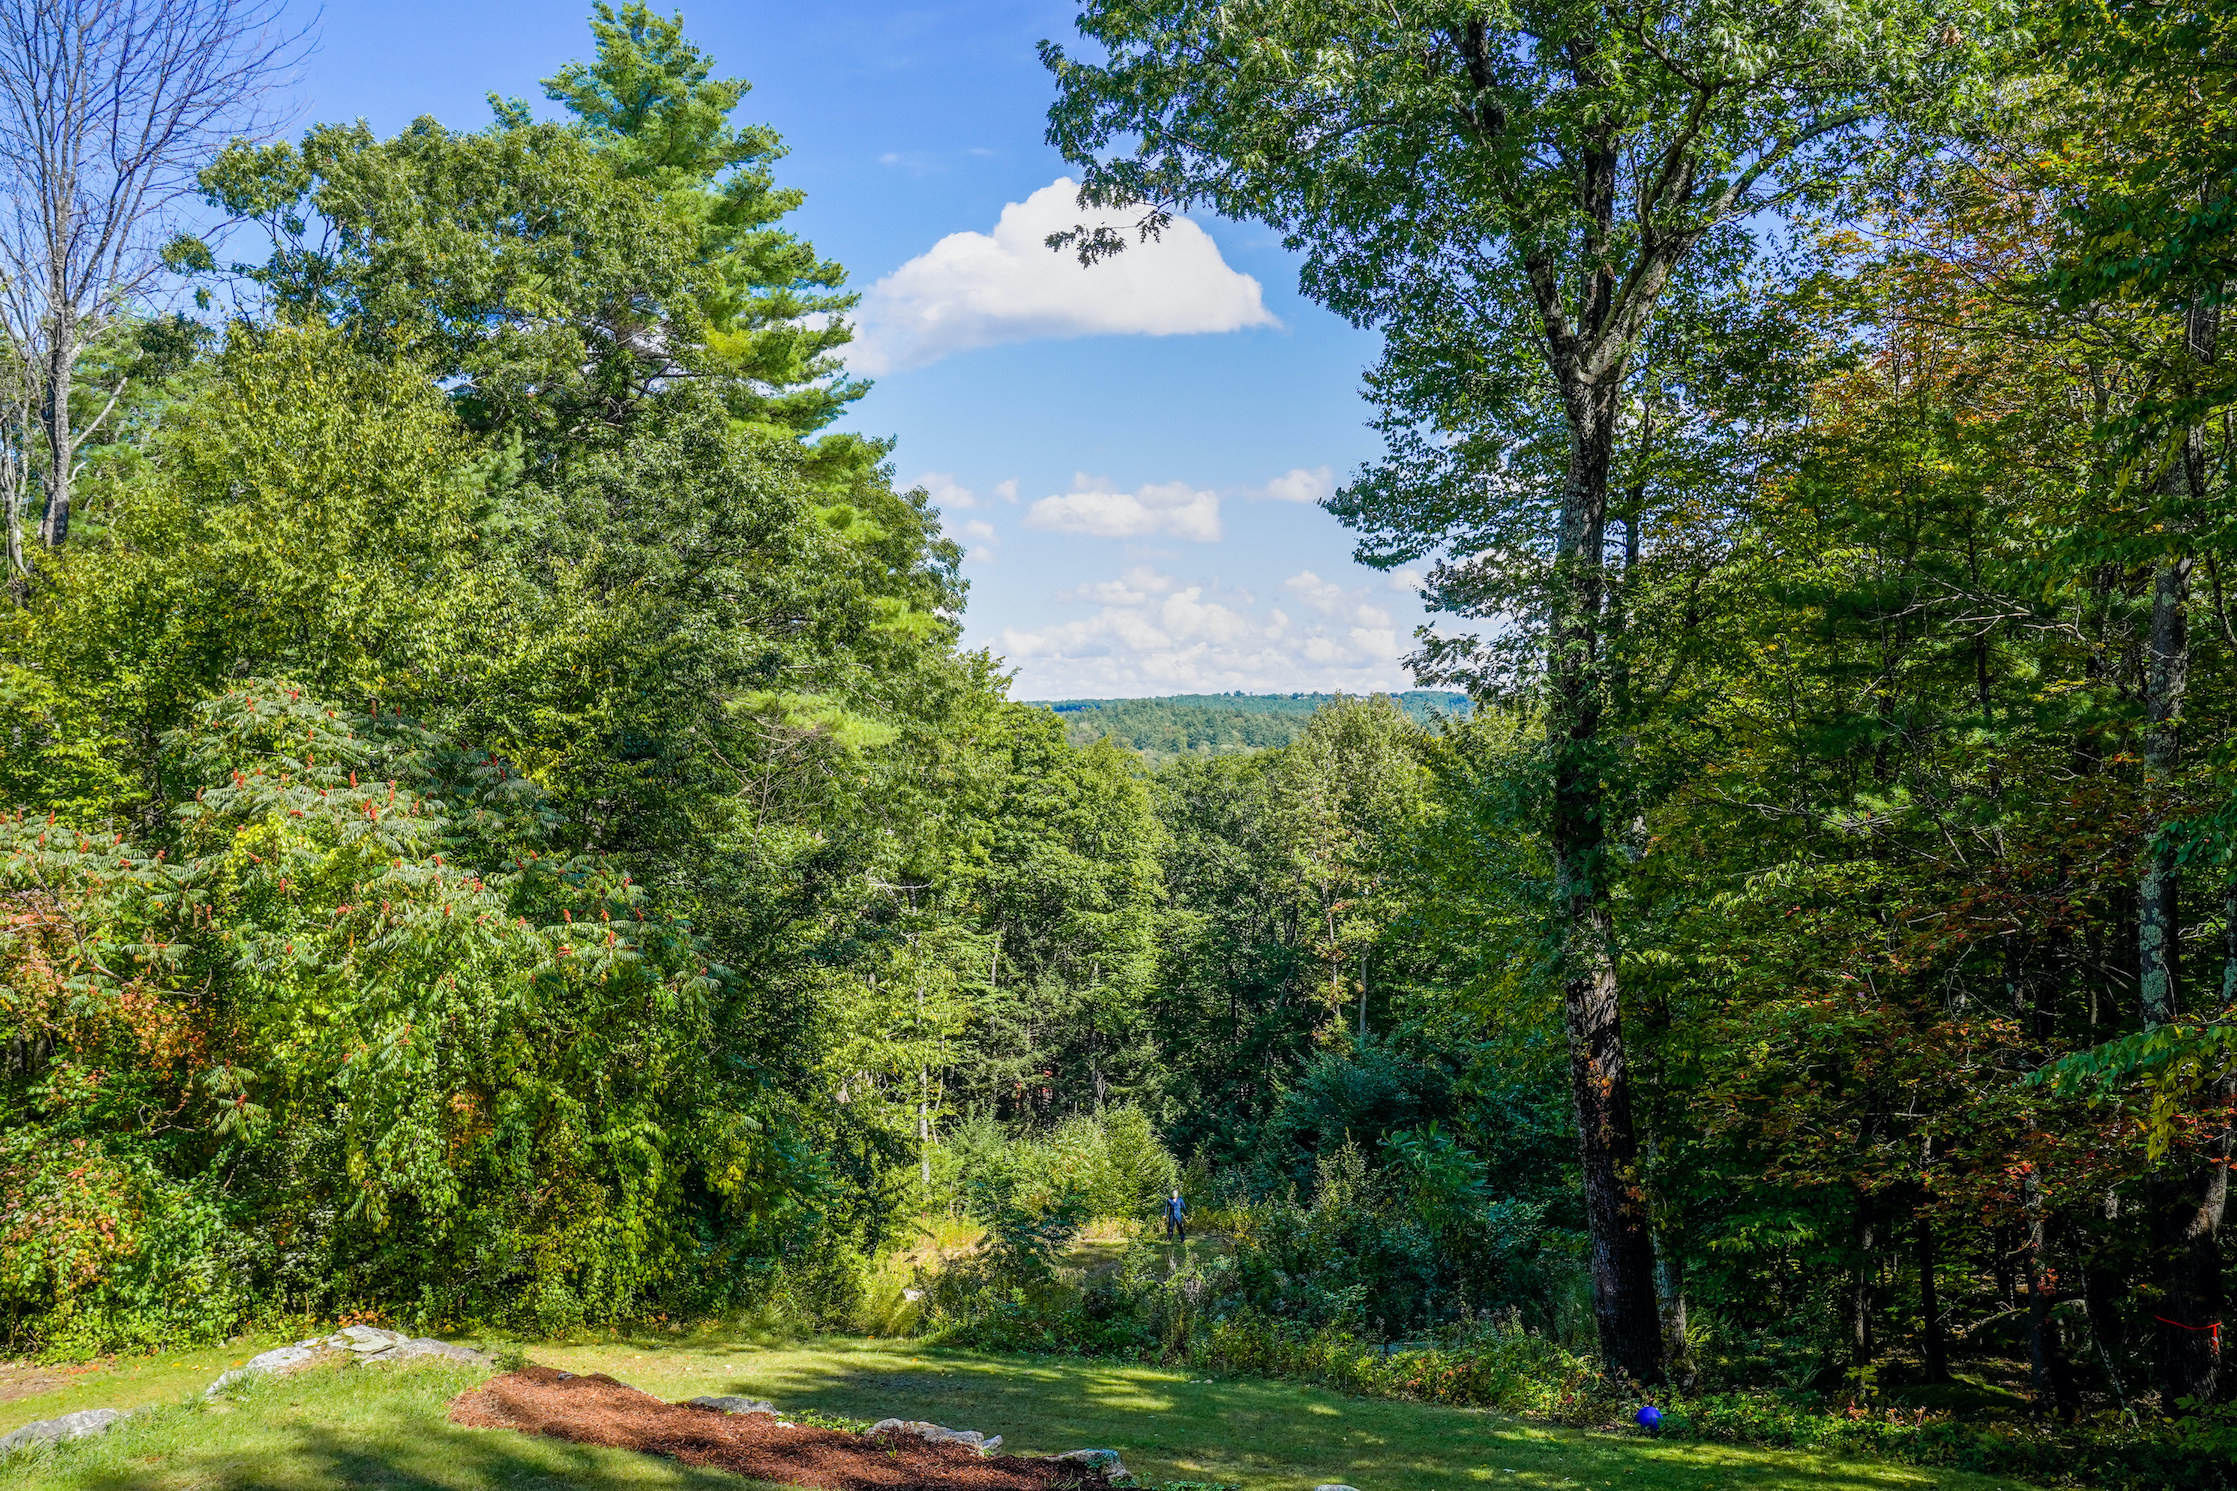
(1105, 1165)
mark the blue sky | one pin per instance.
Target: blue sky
(1129, 452)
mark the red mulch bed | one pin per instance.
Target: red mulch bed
(598, 1410)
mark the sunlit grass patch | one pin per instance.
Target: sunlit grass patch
(386, 1426)
(335, 1426)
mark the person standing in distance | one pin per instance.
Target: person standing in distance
(1176, 1217)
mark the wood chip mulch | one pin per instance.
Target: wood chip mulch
(598, 1410)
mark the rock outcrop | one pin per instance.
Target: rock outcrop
(735, 1405)
(361, 1343)
(1105, 1462)
(53, 1431)
(278, 1359)
(934, 1434)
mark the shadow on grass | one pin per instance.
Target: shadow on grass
(315, 1436)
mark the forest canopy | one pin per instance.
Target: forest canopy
(1221, 724)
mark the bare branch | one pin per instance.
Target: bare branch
(108, 108)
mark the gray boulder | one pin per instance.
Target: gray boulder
(735, 1405)
(53, 1431)
(405, 1350)
(278, 1359)
(1334, 1486)
(934, 1434)
(1104, 1461)
(364, 1338)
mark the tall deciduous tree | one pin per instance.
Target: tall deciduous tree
(1537, 173)
(107, 109)
(2153, 210)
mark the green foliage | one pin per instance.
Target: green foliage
(564, 280)
(568, 919)
(309, 511)
(499, 826)
(484, 1045)
(1109, 1165)
(649, 103)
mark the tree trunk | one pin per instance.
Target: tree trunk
(2159, 889)
(1621, 1241)
(2187, 1205)
(2102, 1288)
(2048, 1373)
(1670, 1292)
(62, 361)
(2186, 1201)
(1860, 1285)
(1934, 1347)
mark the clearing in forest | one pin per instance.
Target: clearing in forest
(390, 1427)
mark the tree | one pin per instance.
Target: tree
(773, 315)
(569, 282)
(1348, 787)
(1536, 176)
(107, 109)
(2150, 217)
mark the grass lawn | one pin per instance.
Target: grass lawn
(385, 1427)
(29, 1392)
(338, 1427)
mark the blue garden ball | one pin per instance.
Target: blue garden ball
(1650, 1419)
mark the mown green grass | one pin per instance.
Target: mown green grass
(118, 1382)
(1270, 1436)
(338, 1427)
(385, 1427)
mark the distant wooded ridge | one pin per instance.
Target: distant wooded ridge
(1218, 724)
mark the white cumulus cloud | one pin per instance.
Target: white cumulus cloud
(982, 539)
(947, 494)
(1131, 589)
(1150, 633)
(1333, 600)
(1300, 485)
(1096, 508)
(979, 289)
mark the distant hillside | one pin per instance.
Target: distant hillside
(1217, 724)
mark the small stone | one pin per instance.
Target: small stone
(1335, 1486)
(734, 1405)
(53, 1431)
